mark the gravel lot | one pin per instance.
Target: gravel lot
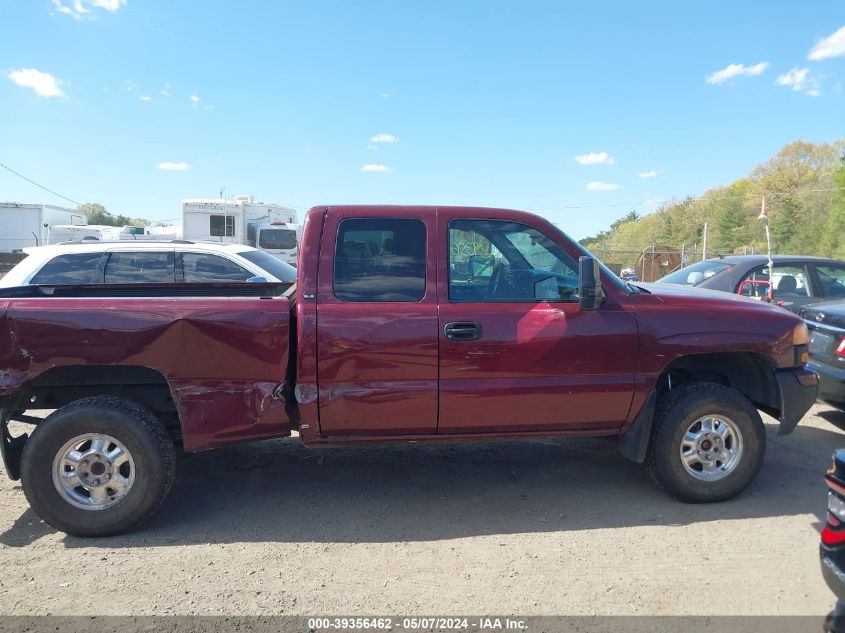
(543, 527)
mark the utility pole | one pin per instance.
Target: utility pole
(704, 244)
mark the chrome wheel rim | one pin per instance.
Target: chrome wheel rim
(711, 448)
(93, 471)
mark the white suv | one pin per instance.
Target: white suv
(120, 262)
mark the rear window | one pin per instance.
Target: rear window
(140, 268)
(76, 268)
(694, 274)
(277, 239)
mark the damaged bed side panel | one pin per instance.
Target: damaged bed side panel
(225, 359)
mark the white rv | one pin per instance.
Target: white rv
(23, 225)
(270, 227)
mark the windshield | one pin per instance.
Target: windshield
(279, 269)
(694, 274)
(277, 239)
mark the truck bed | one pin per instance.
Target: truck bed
(219, 361)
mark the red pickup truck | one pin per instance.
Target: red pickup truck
(406, 324)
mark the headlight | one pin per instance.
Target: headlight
(800, 335)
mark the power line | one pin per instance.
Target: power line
(40, 186)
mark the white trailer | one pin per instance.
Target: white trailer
(23, 225)
(270, 227)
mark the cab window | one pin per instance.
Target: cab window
(380, 259)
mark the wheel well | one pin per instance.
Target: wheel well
(750, 374)
(59, 386)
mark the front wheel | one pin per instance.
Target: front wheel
(98, 466)
(707, 444)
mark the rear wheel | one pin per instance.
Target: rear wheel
(707, 444)
(98, 466)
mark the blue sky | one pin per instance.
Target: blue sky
(486, 103)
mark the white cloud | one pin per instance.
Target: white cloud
(601, 186)
(384, 138)
(195, 100)
(595, 158)
(736, 70)
(648, 174)
(374, 167)
(109, 5)
(145, 98)
(371, 147)
(168, 166)
(44, 84)
(77, 8)
(385, 95)
(830, 46)
(799, 80)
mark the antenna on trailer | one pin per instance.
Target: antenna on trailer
(765, 217)
(222, 189)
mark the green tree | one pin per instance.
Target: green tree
(834, 234)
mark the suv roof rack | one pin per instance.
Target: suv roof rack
(94, 240)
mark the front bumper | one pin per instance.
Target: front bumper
(831, 381)
(798, 390)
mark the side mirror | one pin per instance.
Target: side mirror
(258, 280)
(590, 293)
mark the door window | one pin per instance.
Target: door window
(77, 268)
(206, 268)
(831, 280)
(492, 260)
(787, 281)
(379, 259)
(139, 268)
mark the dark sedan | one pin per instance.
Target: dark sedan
(826, 322)
(795, 281)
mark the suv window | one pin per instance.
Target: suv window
(380, 260)
(140, 268)
(205, 268)
(76, 268)
(494, 260)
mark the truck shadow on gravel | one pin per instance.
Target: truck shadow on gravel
(278, 491)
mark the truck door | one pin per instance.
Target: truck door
(516, 352)
(377, 324)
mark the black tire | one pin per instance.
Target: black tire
(676, 412)
(140, 432)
